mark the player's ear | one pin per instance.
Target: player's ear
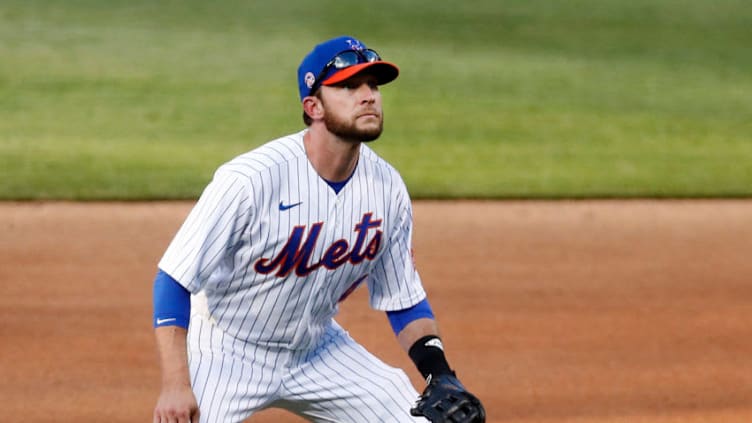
(313, 107)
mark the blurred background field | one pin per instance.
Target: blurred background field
(496, 99)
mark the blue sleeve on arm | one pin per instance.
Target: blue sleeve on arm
(172, 302)
(401, 318)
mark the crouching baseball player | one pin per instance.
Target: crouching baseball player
(278, 238)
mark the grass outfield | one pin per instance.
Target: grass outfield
(499, 99)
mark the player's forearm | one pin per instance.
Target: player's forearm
(420, 339)
(173, 356)
(415, 330)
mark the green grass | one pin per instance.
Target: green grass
(496, 99)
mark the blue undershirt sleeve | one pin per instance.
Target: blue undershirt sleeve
(401, 318)
(172, 302)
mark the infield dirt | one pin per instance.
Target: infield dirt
(587, 311)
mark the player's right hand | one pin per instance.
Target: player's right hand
(176, 405)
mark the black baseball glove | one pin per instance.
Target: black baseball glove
(445, 400)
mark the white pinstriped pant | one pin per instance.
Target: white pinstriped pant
(339, 381)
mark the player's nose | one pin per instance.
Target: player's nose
(367, 92)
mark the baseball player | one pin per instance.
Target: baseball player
(246, 292)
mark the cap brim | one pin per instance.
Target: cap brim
(385, 72)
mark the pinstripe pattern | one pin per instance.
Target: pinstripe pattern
(343, 382)
(272, 278)
(338, 381)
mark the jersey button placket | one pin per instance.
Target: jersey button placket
(320, 281)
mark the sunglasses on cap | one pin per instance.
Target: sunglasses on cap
(344, 60)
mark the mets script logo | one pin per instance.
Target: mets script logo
(296, 254)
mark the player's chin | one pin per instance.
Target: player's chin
(369, 132)
(369, 136)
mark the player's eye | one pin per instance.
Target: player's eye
(350, 85)
(354, 85)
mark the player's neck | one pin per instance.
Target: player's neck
(334, 159)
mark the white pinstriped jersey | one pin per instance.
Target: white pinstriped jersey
(274, 248)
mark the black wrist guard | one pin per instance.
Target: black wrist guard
(428, 355)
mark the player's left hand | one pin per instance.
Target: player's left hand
(445, 400)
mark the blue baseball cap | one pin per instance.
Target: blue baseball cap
(323, 54)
